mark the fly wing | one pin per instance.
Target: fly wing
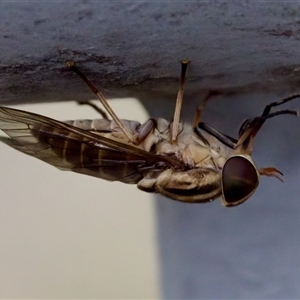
(70, 148)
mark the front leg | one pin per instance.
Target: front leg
(95, 107)
(223, 138)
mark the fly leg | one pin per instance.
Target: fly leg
(247, 132)
(257, 122)
(249, 128)
(103, 101)
(96, 108)
(176, 119)
(223, 138)
(277, 103)
(202, 104)
(127, 127)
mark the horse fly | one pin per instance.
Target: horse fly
(193, 164)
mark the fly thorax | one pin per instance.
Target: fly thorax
(162, 126)
(165, 147)
(193, 151)
(218, 151)
(150, 140)
(195, 155)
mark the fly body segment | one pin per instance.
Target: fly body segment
(194, 164)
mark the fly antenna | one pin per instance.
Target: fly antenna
(102, 99)
(176, 119)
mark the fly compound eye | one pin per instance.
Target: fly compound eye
(239, 180)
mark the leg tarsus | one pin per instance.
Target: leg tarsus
(279, 102)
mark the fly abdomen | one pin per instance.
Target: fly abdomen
(101, 125)
(104, 125)
(81, 155)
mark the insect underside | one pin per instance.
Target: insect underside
(187, 163)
